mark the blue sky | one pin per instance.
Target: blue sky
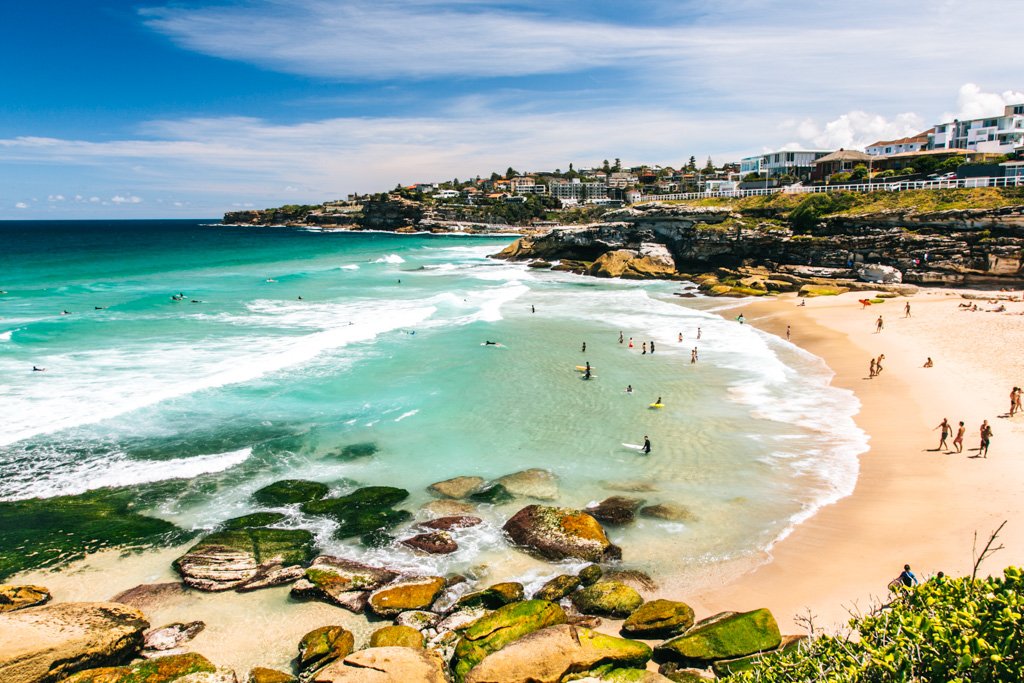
(187, 109)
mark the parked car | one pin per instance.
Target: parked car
(943, 176)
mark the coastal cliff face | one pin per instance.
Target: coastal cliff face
(971, 246)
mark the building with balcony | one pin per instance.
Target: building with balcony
(994, 135)
(842, 161)
(794, 162)
(914, 143)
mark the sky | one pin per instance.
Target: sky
(119, 109)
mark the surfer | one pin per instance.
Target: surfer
(740, 319)
(586, 373)
(65, 312)
(299, 298)
(658, 402)
(680, 337)
(490, 343)
(652, 346)
(532, 309)
(36, 368)
(698, 333)
(646, 450)
(588, 366)
(98, 308)
(629, 388)
(620, 336)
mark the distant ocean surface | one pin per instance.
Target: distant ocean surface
(253, 384)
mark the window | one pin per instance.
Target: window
(790, 156)
(989, 123)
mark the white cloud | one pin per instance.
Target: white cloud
(21, 205)
(131, 199)
(853, 130)
(94, 200)
(973, 103)
(55, 198)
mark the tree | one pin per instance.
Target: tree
(495, 176)
(618, 165)
(860, 172)
(709, 167)
(605, 166)
(692, 165)
(511, 172)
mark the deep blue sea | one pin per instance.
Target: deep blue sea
(287, 345)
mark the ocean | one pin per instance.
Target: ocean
(288, 345)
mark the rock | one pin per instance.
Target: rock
(321, 646)
(405, 594)
(673, 671)
(659, 619)
(446, 507)
(822, 290)
(341, 582)
(14, 597)
(171, 636)
(499, 628)
(458, 487)
(633, 676)
(149, 595)
(727, 667)
(495, 494)
(397, 636)
(46, 643)
(630, 486)
(532, 483)
(736, 635)
(560, 533)
(876, 272)
(362, 511)
(435, 543)
(262, 675)
(290, 492)
(268, 576)
(670, 512)
(355, 451)
(443, 644)
(218, 676)
(256, 519)
(590, 574)
(385, 665)
(556, 653)
(492, 598)
(454, 522)
(163, 670)
(607, 599)
(650, 261)
(418, 619)
(461, 619)
(557, 588)
(632, 577)
(616, 510)
(227, 559)
(539, 264)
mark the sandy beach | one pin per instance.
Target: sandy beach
(912, 504)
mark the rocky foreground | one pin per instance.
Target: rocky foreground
(593, 625)
(731, 252)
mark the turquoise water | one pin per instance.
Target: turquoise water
(252, 384)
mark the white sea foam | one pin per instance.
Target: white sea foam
(6, 336)
(406, 414)
(350, 266)
(393, 259)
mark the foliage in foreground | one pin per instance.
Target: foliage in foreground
(944, 631)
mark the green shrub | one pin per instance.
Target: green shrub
(944, 631)
(809, 211)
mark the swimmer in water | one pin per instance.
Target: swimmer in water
(36, 368)
(299, 298)
(490, 343)
(629, 388)
(98, 308)
(65, 312)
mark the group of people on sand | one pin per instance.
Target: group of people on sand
(984, 432)
(1015, 399)
(875, 368)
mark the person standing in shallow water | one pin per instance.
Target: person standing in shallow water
(787, 332)
(646, 450)
(644, 353)
(906, 310)
(698, 333)
(584, 348)
(620, 336)
(652, 346)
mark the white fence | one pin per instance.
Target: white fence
(879, 186)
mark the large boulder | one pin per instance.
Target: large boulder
(433, 543)
(180, 668)
(607, 599)
(172, 636)
(553, 654)
(659, 619)
(557, 588)
(735, 635)
(590, 574)
(342, 582)
(385, 665)
(499, 628)
(321, 646)
(876, 272)
(48, 643)
(492, 598)
(457, 487)
(148, 596)
(290, 492)
(363, 511)
(406, 594)
(251, 521)
(616, 510)
(19, 597)
(397, 636)
(228, 559)
(726, 667)
(532, 483)
(651, 261)
(560, 533)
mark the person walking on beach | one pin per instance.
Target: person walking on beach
(958, 440)
(698, 334)
(906, 310)
(944, 426)
(907, 577)
(680, 337)
(1014, 401)
(871, 369)
(986, 437)
(879, 325)
(646, 449)
(787, 332)
(878, 364)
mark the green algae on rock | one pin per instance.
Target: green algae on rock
(499, 628)
(492, 598)
(607, 599)
(263, 675)
(659, 619)
(397, 636)
(735, 635)
(363, 511)
(555, 533)
(590, 574)
(256, 519)
(496, 494)
(227, 559)
(160, 670)
(557, 588)
(323, 645)
(290, 492)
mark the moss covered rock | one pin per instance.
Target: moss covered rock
(559, 533)
(342, 582)
(822, 290)
(499, 628)
(736, 635)
(362, 511)
(492, 598)
(406, 594)
(659, 619)
(290, 492)
(320, 647)
(385, 665)
(556, 653)
(355, 451)
(727, 667)
(607, 599)
(14, 597)
(256, 519)
(263, 675)
(228, 559)
(590, 574)
(161, 670)
(615, 510)
(397, 636)
(557, 588)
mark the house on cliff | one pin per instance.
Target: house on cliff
(841, 161)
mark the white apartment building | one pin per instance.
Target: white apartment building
(994, 135)
(622, 179)
(914, 143)
(575, 189)
(797, 162)
(525, 188)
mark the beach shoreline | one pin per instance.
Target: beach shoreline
(911, 504)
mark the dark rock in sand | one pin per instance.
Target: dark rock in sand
(150, 595)
(13, 597)
(290, 492)
(453, 522)
(434, 543)
(492, 495)
(616, 510)
(256, 519)
(228, 559)
(560, 533)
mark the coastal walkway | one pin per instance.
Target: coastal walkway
(880, 186)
